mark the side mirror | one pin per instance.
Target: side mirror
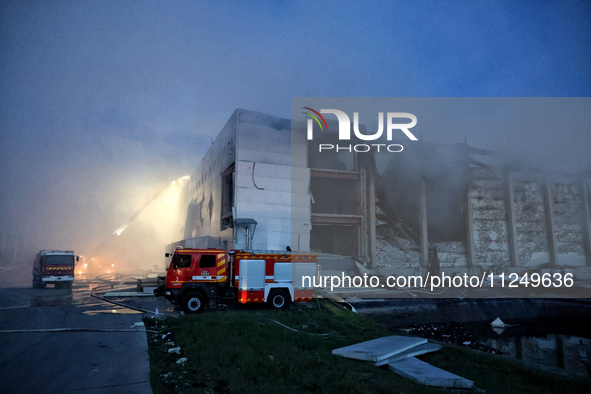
(77, 258)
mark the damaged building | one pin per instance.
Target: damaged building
(261, 186)
(460, 209)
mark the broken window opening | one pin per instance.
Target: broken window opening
(335, 196)
(445, 173)
(342, 240)
(227, 197)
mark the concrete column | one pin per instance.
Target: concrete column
(2, 250)
(586, 219)
(362, 192)
(511, 224)
(371, 207)
(471, 260)
(423, 224)
(549, 208)
(559, 351)
(470, 229)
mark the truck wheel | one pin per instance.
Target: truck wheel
(278, 299)
(193, 303)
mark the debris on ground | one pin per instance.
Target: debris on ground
(398, 353)
(429, 375)
(498, 323)
(452, 333)
(175, 350)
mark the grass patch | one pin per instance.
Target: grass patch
(244, 350)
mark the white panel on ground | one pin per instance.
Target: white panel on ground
(415, 351)
(427, 374)
(379, 349)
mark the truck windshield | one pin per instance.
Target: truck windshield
(181, 261)
(59, 260)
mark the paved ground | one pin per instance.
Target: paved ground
(110, 355)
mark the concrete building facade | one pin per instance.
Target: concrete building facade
(259, 188)
(240, 196)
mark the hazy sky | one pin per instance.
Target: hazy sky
(104, 102)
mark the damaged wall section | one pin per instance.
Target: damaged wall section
(444, 171)
(531, 225)
(515, 218)
(567, 204)
(489, 217)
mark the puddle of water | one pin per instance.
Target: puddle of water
(553, 346)
(560, 347)
(52, 300)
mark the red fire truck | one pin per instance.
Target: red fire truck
(199, 278)
(54, 266)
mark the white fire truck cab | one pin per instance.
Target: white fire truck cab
(54, 266)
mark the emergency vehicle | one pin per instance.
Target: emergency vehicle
(54, 266)
(199, 278)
